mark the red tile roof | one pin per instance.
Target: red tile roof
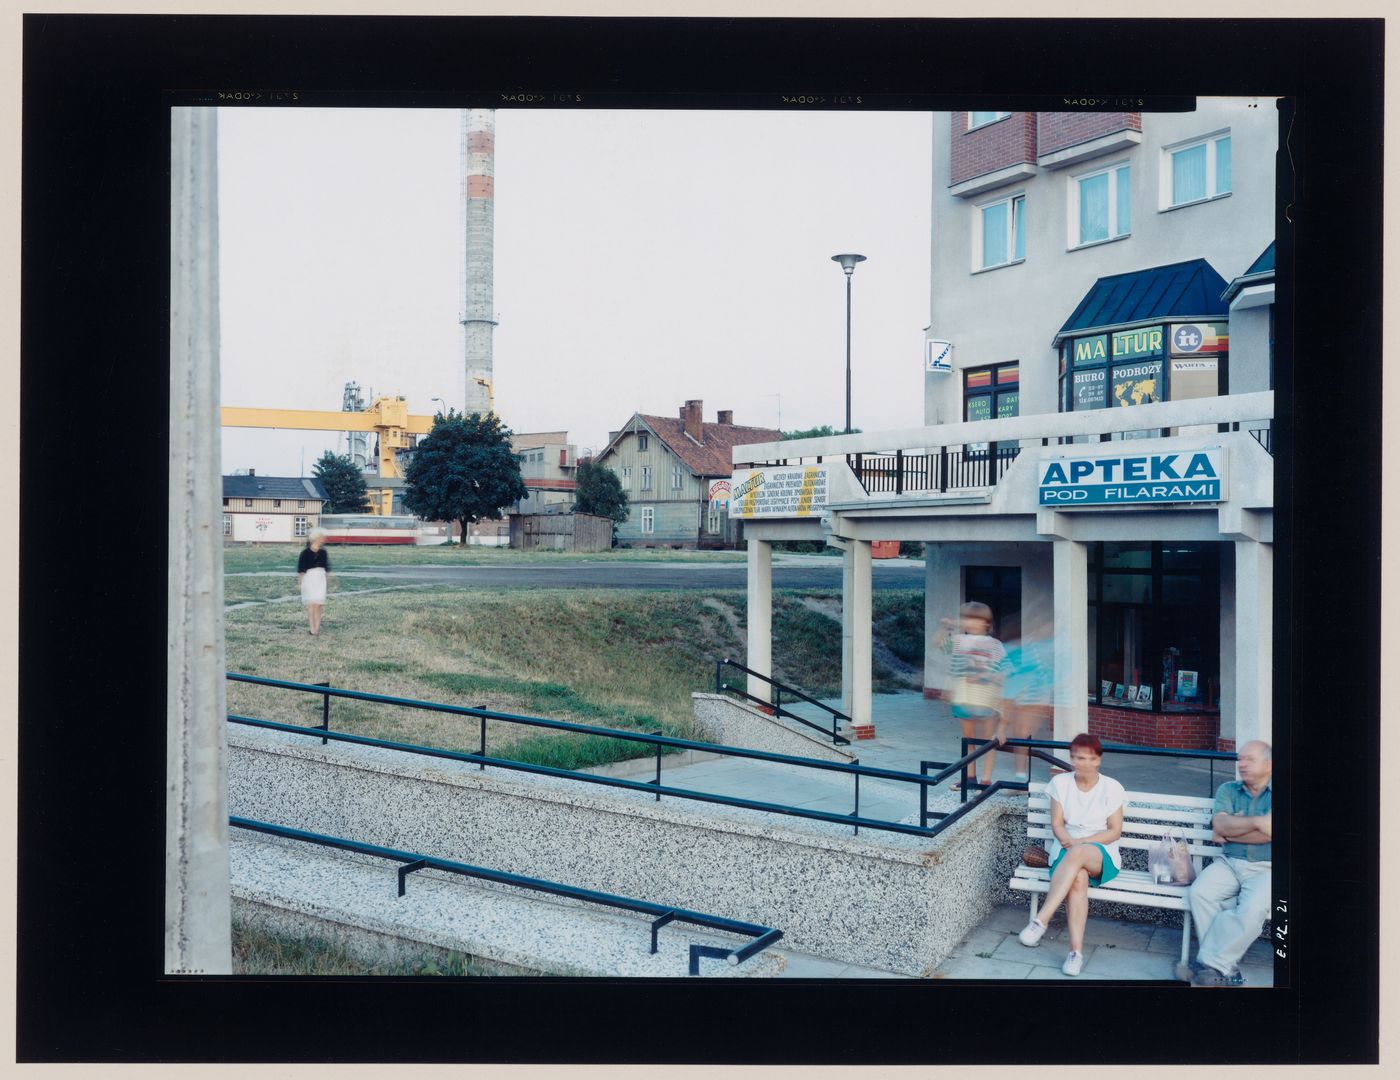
(714, 458)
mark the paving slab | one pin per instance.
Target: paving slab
(974, 967)
(1117, 963)
(1046, 954)
(980, 940)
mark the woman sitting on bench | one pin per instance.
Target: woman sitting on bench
(1086, 816)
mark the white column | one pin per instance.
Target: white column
(197, 932)
(760, 618)
(1254, 641)
(1071, 638)
(855, 633)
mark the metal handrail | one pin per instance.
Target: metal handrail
(777, 703)
(1141, 751)
(763, 936)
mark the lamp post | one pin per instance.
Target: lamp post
(848, 264)
(442, 406)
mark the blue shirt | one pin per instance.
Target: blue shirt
(1234, 798)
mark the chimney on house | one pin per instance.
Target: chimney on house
(694, 427)
(726, 416)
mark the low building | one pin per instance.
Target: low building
(560, 532)
(271, 509)
(675, 472)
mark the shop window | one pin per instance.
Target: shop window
(992, 392)
(648, 519)
(1101, 205)
(999, 234)
(1154, 626)
(980, 119)
(1196, 171)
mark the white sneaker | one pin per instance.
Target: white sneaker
(1073, 962)
(1032, 934)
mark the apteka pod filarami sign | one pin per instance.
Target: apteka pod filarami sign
(1119, 479)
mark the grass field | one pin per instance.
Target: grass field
(240, 558)
(619, 658)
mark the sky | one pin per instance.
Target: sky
(642, 258)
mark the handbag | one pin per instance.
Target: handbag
(1169, 860)
(1036, 857)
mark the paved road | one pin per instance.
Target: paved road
(901, 575)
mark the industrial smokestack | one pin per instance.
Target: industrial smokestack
(479, 216)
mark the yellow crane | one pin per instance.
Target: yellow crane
(388, 418)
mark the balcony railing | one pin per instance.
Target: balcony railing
(946, 469)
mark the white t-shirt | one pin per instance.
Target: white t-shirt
(1086, 812)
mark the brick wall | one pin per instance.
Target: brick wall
(1225, 745)
(1179, 731)
(1058, 131)
(991, 147)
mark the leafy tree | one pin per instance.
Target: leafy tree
(344, 484)
(822, 432)
(463, 471)
(599, 491)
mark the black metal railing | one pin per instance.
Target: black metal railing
(662, 914)
(777, 703)
(943, 470)
(1036, 745)
(651, 787)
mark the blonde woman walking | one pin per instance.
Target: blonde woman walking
(313, 575)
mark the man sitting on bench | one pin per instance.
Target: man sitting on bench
(1242, 872)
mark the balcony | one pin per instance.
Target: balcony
(965, 464)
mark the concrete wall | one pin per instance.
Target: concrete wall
(723, 720)
(1013, 312)
(1249, 349)
(879, 899)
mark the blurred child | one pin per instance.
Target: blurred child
(1028, 688)
(975, 662)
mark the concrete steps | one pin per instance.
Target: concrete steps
(298, 888)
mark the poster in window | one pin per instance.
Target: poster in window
(1119, 691)
(1105, 688)
(1141, 343)
(1091, 350)
(1186, 684)
(1090, 389)
(979, 407)
(1008, 404)
(1144, 695)
(1137, 384)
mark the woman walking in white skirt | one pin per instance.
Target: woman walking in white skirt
(313, 571)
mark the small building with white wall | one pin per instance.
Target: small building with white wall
(271, 509)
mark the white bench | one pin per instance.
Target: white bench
(1146, 817)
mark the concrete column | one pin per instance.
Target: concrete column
(856, 643)
(197, 933)
(1254, 641)
(760, 618)
(1071, 638)
(1227, 642)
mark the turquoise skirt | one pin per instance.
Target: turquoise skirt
(1109, 871)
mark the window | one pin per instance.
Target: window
(648, 519)
(641, 443)
(1154, 618)
(677, 479)
(646, 477)
(276, 503)
(977, 119)
(247, 504)
(992, 392)
(627, 476)
(1101, 205)
(1270, 318)
(301, 504)
(999, 235)
(1196, 171)
(300, 526)
(228, 523)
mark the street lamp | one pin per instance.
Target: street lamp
(848, 264)
(442, 411)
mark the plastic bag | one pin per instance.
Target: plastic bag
(1169, 860)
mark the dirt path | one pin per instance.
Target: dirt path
(296, 597)
(905, 673)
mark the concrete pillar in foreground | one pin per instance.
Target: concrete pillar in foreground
(1071, 638)
(760, 618)
(856, 636)
(1254, 641)
(196, 841)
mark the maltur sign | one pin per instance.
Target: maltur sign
(1128, 479)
